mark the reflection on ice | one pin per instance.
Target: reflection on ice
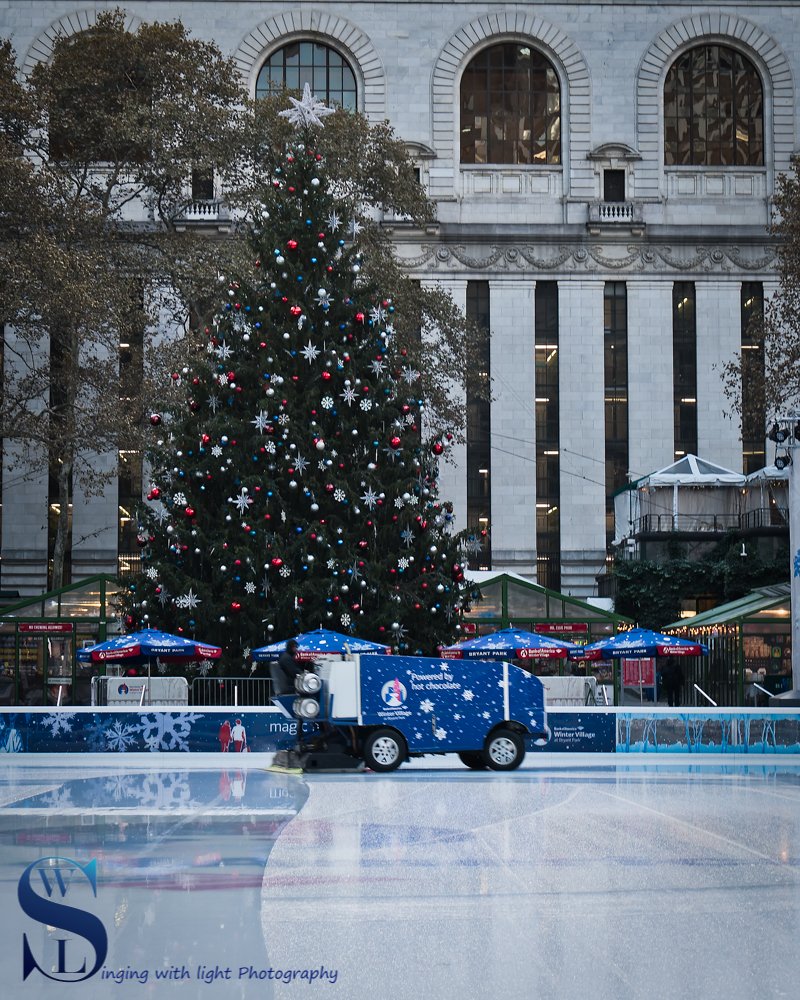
(435, 882)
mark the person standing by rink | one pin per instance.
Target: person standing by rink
(239, 737)
(672, 680)
(225, 736)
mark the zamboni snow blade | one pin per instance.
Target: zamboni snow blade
(386, 709)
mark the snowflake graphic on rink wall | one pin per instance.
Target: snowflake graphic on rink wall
(162, 731)
(59, 722)
(120, 736)
(297, 463)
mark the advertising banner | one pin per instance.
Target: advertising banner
(577, 732)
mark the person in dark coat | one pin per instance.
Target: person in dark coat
(672, 680)
(285, 670)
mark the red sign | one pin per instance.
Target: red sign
(469, 628)
(560, 627)
(45, 627)
(639, 672)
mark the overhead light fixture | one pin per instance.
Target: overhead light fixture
(782, 461)
(778, 434)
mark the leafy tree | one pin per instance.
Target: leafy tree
(651, 592)
(105, 133)
(772, 373)
(294, 473)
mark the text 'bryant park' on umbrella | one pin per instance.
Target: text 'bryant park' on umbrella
(146, 644)
(510, 644)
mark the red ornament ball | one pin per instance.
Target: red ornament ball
(291, 244)
(395, 442)
(235, 607)
(155, 419)
(295, 310)
(438, 448)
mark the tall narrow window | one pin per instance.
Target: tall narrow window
(202, 185)
(684, 364)
(754, 415)
(713, 109)
(510, 107)
(129, 480)
(2, 384)
(479, 487)
(614, 185)
(327, 73)
(60, 476)
(615, 351)
(548, 490)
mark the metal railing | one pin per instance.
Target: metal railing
(764, 517)
(706, 696)
(231, 692)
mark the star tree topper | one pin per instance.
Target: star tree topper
(308, 111)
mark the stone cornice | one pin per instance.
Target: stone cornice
(653, 258)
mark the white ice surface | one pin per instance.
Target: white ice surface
(570, 878)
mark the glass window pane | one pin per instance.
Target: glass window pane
(304, 62)
(718, 92)
(525, 603)
(519, 91)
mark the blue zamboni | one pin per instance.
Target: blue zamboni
(383, 710)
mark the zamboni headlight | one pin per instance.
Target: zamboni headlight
(307, 683)
(306, 708)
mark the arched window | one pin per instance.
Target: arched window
(305, 62)
(510, 107)
(713, 109)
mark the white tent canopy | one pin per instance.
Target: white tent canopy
(692, 471)
(677, 498)
(768, 489)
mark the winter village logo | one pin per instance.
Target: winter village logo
(74, 944)
(394, 694)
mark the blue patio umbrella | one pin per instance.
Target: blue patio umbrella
(148, 644)
(320, 642)
(637, 643)
(509, 644)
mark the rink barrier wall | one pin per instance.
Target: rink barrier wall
(605, 730)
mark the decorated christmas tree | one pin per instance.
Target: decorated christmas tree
(292, 481)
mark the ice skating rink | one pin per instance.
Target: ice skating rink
(177, 877)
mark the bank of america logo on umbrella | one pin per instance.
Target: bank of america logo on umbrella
(74, 944)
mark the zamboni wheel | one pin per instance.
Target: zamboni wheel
(384, 750)
(504, 750)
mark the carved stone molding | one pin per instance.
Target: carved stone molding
(594, 257)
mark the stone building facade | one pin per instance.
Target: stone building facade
(603, 175)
